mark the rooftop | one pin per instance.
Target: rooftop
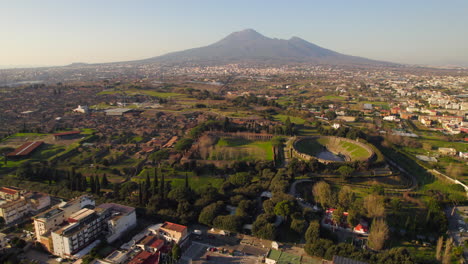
(25, 149)
(9, 190)
(67, 133)
(118, 110)
(117, 207)
(174, 227)
(157, 243)
(49, 213)
(145, 257)
(81, 214)
(147, 240)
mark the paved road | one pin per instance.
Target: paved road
(292, 191)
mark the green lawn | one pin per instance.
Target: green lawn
(332, 98)
(295, 120)
(383, 105)
(419, 253)
(241, 149)
(308, 131)
(356, 152)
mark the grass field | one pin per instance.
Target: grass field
(295, 120)
(383, 105)
(332, 98)
(356, 152)
(241, 150)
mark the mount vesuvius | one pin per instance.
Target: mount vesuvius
(250, 46)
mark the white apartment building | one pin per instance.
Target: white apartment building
(73, 226)
(15, 204)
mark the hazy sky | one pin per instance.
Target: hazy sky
(59, 32)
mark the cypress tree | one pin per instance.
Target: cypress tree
(155, 182)
(161, 187)
(84, 184)
(92, 184)
(186, 182)
(148, 185)
(140, 194)
(98, 186)
(104, 181)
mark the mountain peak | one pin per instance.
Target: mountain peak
(245, 35)
(249, 45)
(248, 31)
(296, 39)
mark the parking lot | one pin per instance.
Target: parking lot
(39, 257)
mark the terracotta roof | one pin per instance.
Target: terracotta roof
(147, 240)
(174, 227)
(8, 190)
(145, 257)
(67, 133)
(158, 243)
(25, 149)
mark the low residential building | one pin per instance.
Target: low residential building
(10, 193)
(390, 118)
(117, 111)
(38, 201)
(151, 243)
(67, 135)
(448, 151)
(173, 232)
(81, 109)
(329, 222)
(117, 257)
(145, 257)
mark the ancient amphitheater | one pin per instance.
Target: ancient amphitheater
(328, 149)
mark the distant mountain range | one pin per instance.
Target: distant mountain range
(250, 46)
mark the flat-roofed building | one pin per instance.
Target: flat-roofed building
(15, 203)
(117, 257)
(73, 227)
(37, 200)
(15, 210)
(117, 111)
(84, 227)
(51, 219)
(120, 219)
